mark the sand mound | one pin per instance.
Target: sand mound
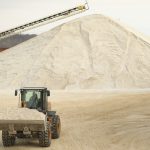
(92, 52)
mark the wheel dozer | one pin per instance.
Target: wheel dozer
(44, 130)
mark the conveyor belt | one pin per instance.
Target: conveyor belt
(43, 21)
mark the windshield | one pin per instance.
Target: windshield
(31, 98)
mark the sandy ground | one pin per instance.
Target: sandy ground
(96, 120)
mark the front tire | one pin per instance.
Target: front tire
(7, 139)
(56, 127)
(45, 137)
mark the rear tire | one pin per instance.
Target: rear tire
(7, 139)
(56, 127)
(45, 137)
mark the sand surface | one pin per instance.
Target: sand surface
(92, 52)
(96, 121)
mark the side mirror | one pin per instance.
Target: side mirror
(16, 92)
(48, 93)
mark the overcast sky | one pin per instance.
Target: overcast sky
(135, 13)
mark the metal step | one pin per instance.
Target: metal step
(43, 21)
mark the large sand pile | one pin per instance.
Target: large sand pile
(92, 52)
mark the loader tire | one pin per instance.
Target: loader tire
(56, 127)
(45, 137)
(7, 139)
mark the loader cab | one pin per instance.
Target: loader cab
(34, 98)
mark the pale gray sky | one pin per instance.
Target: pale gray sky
(135, 13)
